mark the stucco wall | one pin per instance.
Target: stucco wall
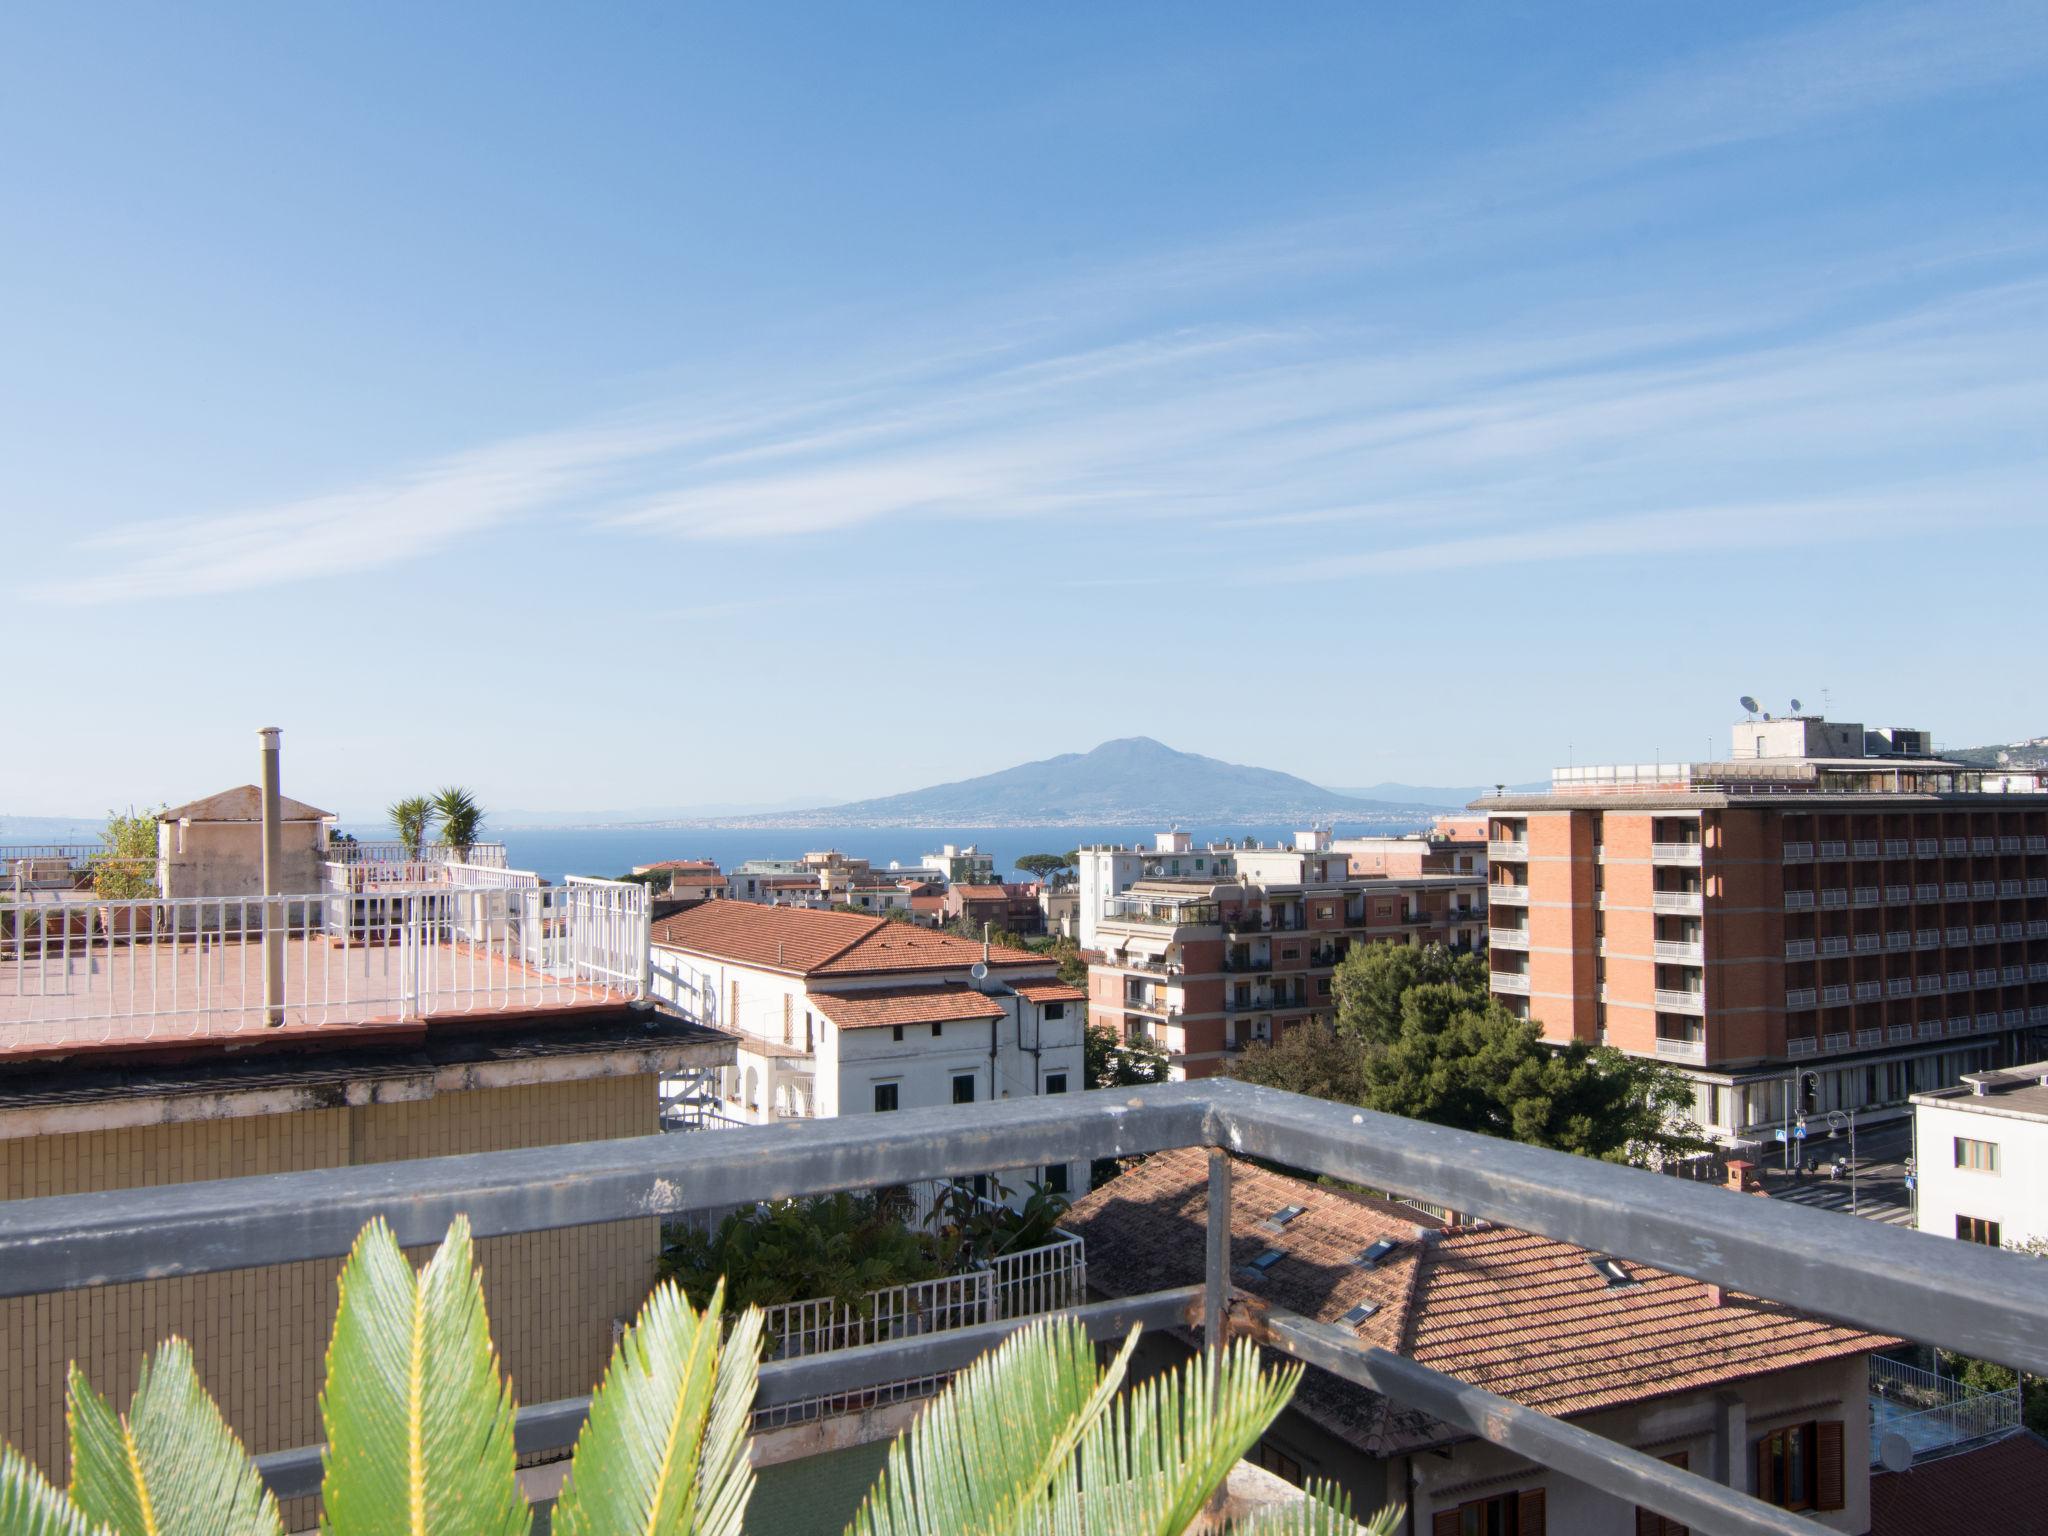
(225, 858)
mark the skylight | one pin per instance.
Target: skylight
(1284, 1215)
(1360, 1313)
(1379, 1250)
(1611, 1270)
(1266, 1260)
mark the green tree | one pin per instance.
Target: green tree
(418, 1420)
(1990, 1376)
(1045, 865)
(410, 819)
(1417, 1035)
(461, 818)
(1110, 1062)
(125, 867)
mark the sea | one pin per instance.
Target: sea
(552, 852)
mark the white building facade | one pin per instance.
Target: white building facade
(1981, 1158)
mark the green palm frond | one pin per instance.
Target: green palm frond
(410, 819)
(461, 817)
(29, 1506)
(170, 1466)
(419, 1421)
(664, 1450)
(1326, 1511)
(982, 1457)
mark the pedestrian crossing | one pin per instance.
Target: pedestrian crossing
(1828, 1196)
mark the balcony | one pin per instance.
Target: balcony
(1934, 1413)
(1926, 847)
(1835, 1042)
(1799, 901)
(1974, 1300)
(1507, 848)
(1863, 848)
(1834, 850)
(1675, 901)
(1507, 938)
(1674, 853)
(1834, 997)
(1693, 1051)
(366, 952)
(1801, 1045)
(1680, 1000)
(1835, 944)
(1514, 983)
(1690, 951)
(1897, 848)
(1799, 949)
(1797, 853)
(1834, 896)
(1518, 894)
(1800, 998)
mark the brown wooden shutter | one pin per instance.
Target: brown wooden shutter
(1445, 1523)
(1529, 1515)
(1763, 1488)
(1827, 1464)
(1648, 1521)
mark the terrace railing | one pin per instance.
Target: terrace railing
(1970, 1298)
(88, 972)
(392, 851)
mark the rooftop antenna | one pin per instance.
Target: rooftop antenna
(1748, 705)
(1826, 702)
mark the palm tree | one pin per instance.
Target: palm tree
(411, 817)
(461, 819)
(1034, 1436)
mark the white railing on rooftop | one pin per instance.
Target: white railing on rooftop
(101, 971)
(392, 851)
(1933, 1412)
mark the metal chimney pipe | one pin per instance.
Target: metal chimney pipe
(273, 867)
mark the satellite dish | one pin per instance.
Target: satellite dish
(1896, 1452)
(1748, 703)
(1795, 706)
(979, 972)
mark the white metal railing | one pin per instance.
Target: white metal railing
(1499, 893)
(1508, 848)
(1675, 901)
(1675, 853)
(1511, 981)
(1679, 1000)
(1801, 997)
(1507, 938)
(1799, 949)
(1934, 1412)
(196, 966)
(1682, 1050)
(1678, 949)
(1801, 1045)
(389, 850)
(1795, 853)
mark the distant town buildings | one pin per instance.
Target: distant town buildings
(838, 1013)
(1206, 950)
(1454, 845)
(1831, 899)
(962, 866)
(1982, 1157)
(688, 879)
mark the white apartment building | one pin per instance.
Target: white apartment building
(838, 1013)
(1981, 1157)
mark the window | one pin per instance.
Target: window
(1055, 1082)
(1055, 1010)
(1800, 1466)
(1975, 1229)
(1649, 1522)
(896, 1032)
(938, 1030)
(963, 1088)
(1056, 1178)
(885, 1098)
(1978, 1156)
(1277, 1461)
(1505, 1514)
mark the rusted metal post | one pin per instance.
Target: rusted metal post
(273, 864)
(1216, 1289)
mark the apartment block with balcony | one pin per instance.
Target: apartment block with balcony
(383, 1003)
(1829, 899)
(1202, 965)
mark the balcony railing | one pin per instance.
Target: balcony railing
(196, 966)
(1798, 853)
(1932, 1412)
(1694, 1051)
(1675, 901)
(391, 851)
(1508, 848)
(1680, 1000)
(1799, 949)
(1690, 950)
(1514, 893)
(1965, 1297)
(1508, 938)
(1516, 982)
(1674, 853)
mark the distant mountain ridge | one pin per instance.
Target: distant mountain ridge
(2029, 753)
(1449, 797)
(1131, 781)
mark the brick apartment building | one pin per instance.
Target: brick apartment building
(1830, 901)
(1453, 845)
(1203, 951)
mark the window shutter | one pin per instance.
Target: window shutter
(1827, 1481)
(1763, 1488)
(1444, 1523)
(1529, 1516)
(1648, 1521)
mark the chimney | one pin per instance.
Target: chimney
(1716, 1296)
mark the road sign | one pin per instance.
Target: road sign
(1779, 1132)
(1799, 1130)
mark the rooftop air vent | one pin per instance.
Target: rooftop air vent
(1611, 1270)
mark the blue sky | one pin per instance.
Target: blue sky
(622, 407)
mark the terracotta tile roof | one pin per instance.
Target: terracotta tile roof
(242, 803)
(1048, 992)
(807, 941)
(1998, 1487)
(906, 1005)
(704, 864)
(981, 893)
(1521, 1315)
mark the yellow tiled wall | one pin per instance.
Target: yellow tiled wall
(259, 1334)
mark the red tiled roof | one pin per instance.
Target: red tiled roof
(982, 893)
(1048, 992)
(1517, 1314)
(808, 941)
(1999, 1487)
(905, 1005)
(704, 864)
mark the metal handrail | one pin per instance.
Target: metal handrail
(1970, 1298)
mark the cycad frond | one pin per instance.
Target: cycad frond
(170, 1466)
(419, 1422)
(29, 1506)
(980, 1460)
(664, 1450)
(1326, 1511)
